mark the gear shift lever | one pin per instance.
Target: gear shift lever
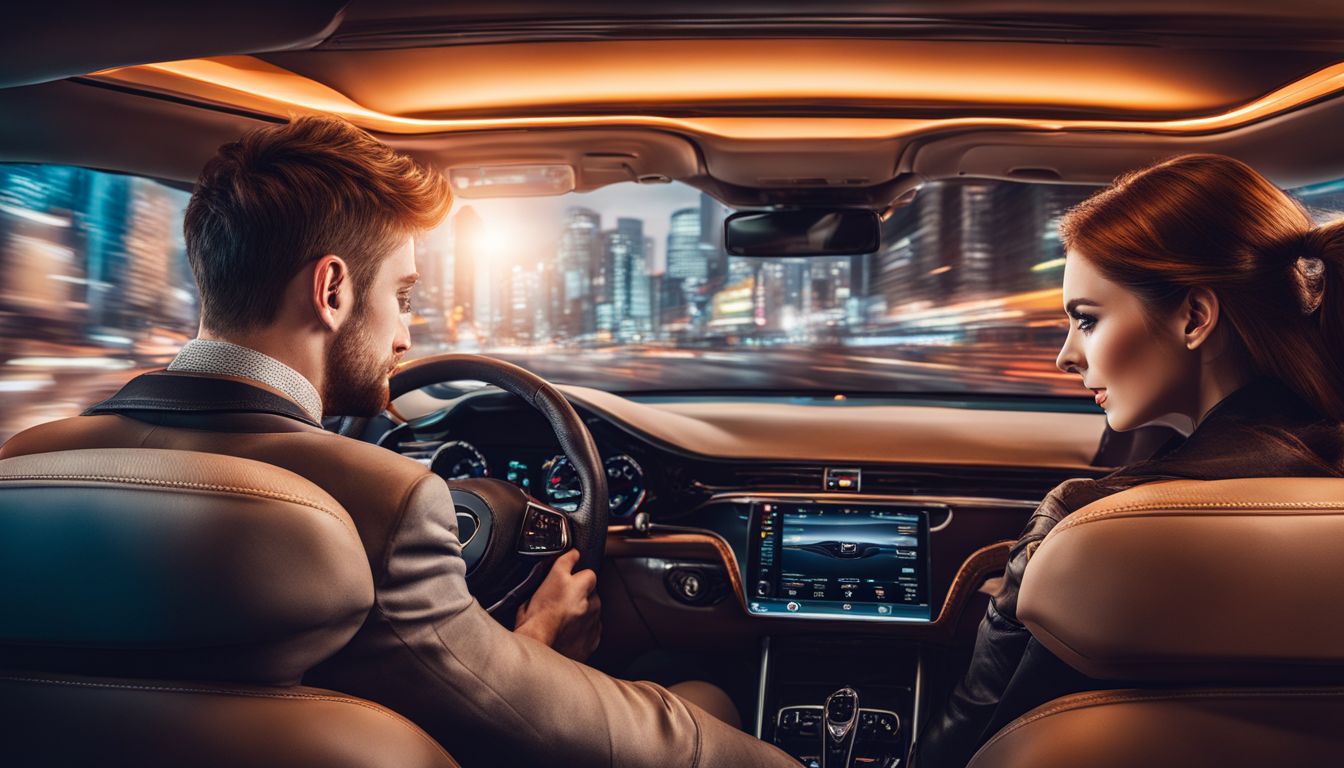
(837, 736)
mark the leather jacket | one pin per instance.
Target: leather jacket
(1261, 430)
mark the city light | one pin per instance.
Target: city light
(626, 292)
(37, 216)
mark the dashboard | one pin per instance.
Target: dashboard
(870, 512)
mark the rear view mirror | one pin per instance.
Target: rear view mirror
(806, 232)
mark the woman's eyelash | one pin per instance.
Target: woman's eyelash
(405, 304)
(1085, 322)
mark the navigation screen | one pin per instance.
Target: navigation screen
(840, 560)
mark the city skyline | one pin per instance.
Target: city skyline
(626, 289)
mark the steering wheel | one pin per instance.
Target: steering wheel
(508, 536)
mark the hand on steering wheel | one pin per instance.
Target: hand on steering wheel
(565, 611)
(513, 529)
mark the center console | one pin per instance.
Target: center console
(836, 700)
(866, 721)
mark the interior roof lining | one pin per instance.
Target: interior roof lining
(183, 135)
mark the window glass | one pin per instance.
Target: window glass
(627, 289)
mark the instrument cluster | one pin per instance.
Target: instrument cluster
(547, 476)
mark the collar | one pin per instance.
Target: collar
(228, 359)
(1262, 398)
(1261, 430)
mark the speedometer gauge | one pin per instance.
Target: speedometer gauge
(458, 460)
(562, 484)
(625, 485)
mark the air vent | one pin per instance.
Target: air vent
(995, 482)
(781, 478)
(1024, 483)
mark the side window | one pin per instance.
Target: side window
(94, 285)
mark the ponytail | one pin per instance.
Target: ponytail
(1318, 275)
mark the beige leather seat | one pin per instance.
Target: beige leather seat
(1221, 602)
(160, 607)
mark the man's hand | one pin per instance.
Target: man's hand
(564, 612)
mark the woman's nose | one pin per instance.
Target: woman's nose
(1068, 358)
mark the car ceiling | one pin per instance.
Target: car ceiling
(756, 103)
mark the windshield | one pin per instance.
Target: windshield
(627, 289)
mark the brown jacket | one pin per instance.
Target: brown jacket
(1261, 430)
(427, 649)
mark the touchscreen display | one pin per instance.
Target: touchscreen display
(839, 560)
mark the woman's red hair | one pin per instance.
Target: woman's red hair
(1209, 220)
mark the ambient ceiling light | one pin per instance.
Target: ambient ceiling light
(247, 83)
(511, 180)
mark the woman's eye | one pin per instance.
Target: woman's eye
(1086, 323)
(405, 304)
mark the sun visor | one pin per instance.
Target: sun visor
(52, 41)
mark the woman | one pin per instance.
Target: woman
(1202, 297)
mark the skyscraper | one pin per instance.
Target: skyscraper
(628, 279)
(579, 260)
(685, 259)
(467, 228)
(712, 216)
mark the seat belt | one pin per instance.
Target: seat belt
(202, 402)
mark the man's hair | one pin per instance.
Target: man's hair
(282, 197)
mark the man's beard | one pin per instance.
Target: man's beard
(356, 378)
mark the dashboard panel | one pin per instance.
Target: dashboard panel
(493, 436)
(693, 496)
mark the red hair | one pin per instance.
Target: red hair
(1209, 220)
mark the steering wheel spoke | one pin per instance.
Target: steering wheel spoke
(545, 531)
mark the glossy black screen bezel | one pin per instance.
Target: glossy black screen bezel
(753, 563)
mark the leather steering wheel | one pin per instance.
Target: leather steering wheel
(514, 534)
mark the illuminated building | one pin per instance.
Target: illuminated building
(628, 280)
(579, 258)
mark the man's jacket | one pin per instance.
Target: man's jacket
(427, 649)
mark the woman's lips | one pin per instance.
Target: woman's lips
(1100, 396)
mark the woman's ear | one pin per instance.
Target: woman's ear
(331, 290)
(1200, 315)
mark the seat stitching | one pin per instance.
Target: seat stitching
(1081, 702)
(1229, 505)
(254, 694)
(261, 492)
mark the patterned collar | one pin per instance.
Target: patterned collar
(225, 358)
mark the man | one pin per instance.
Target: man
(301, 240)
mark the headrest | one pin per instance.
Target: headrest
(1226, 580)
(160, 563)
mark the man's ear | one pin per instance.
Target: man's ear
(1200, 315)
(332, 294)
